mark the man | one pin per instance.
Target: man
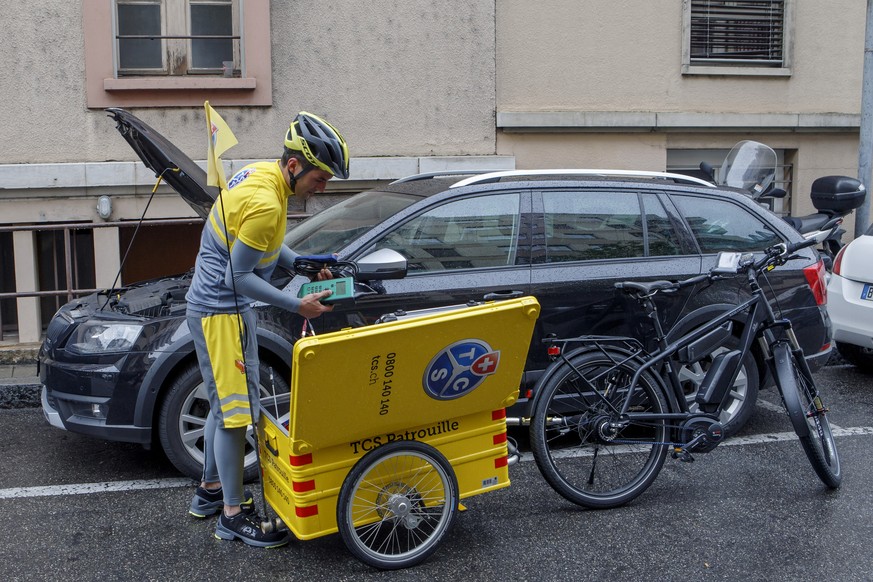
(240, 246)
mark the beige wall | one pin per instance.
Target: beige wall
(598, 84)
(398, 77)
(625, 55)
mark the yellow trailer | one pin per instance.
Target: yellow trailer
(388, 426)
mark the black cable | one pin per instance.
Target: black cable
(311, 268)
(133, 238)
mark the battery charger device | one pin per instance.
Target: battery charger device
(342, 289)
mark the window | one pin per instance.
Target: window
(581, 226)
(467, 234)
(160, 53)
(177, 37)
(723, 226)
(737, 37)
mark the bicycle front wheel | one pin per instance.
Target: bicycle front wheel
(808, 415)
(582, 449)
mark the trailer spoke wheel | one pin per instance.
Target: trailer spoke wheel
(396, 504)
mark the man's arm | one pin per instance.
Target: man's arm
(244, 260)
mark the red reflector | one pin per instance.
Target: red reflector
(838, 261)
(528, 394)
(306, 511)
(498, 414)
(303, 486)
(554, 351)
(501, 462)
(300, 460)
(500, 438)
(815, 277)
(825, 347)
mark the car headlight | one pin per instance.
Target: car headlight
(103, 336)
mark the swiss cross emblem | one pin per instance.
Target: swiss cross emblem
(487, 364)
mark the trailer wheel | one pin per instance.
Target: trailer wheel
(396, 504)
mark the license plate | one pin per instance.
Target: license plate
(867, 292)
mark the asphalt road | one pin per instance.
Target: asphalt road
(81, 509)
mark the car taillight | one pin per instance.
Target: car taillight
(838, 260)
(815, 276)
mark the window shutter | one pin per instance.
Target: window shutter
(749, 32)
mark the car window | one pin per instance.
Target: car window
(593, 225)
(333, 228)
(661, 239)
(720, 225)
(464, 234)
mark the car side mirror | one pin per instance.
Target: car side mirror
(380, 265)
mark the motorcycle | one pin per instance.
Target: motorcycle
(750, 167)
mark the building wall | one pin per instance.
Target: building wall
(599, 83)
(398, 77)
(625, 55)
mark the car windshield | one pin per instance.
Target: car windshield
(333, 228)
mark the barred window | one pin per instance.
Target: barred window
(177, 37)
(739, 34)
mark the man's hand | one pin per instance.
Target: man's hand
(311, 305)
(323, 275)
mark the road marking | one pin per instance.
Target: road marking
(144, 484)
(781, 409)
(755, 439)
(87, 488)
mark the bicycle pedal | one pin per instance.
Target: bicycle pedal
(682, 455)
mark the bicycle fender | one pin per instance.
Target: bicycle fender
(783, 368)
(556, 365)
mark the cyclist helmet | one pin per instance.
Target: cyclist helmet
(320, 143)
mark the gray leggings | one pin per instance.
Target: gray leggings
(224, 450)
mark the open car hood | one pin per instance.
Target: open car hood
(163, 158)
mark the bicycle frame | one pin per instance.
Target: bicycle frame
(759, 312)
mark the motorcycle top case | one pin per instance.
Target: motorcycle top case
(378, 379)
(837, 193)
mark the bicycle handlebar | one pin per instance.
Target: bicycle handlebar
(777, 254)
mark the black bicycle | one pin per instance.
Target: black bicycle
(608, 411)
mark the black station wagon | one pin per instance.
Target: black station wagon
(128, 372)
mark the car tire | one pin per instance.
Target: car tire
(743, 394)
(182, 419)
(860, 357)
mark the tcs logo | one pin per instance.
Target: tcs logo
(239, 177)
(459, 368)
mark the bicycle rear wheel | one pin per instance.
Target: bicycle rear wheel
(808, 415)
(583, 453)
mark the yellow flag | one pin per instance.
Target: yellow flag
(221, 139)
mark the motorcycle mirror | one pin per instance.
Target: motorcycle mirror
(775, 193)
(708, 171)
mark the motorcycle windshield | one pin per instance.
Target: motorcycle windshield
(750, 166)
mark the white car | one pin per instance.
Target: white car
(850, 301)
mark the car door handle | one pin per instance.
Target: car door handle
(502, 295)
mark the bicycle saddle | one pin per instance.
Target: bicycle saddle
(644, 288)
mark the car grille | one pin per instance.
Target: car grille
(58, 330)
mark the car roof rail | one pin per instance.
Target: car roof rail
(429, 175)
(495, 176)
